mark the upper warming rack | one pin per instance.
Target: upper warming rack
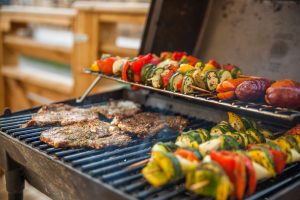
(259, 110)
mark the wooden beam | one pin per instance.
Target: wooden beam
(122, 18)
(40, 79)
(30, 47)
(2, 92)
(39, 15)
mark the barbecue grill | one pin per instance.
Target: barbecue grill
(85, 173)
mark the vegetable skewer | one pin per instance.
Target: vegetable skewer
(202, 168)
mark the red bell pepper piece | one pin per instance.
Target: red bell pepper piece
(155, 60)
(279, 158)
(251, 175)
(228, 67)
(165, 55)
(185, 153)
(214, 63)
(234, 166)
(294, 131)
(192, 60)
(166, 78)
(179, 85)
(147, 58)
(178, 55)
(105, 65)
(124, 71)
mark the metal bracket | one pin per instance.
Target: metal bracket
(94, 83)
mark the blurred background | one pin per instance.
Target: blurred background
(46, 44)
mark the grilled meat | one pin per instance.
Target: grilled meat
(147, 124)
(121, 109)
(60, 114)
(96, 134)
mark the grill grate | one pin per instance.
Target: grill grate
(109, 165)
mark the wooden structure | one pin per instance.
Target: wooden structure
(94, 27)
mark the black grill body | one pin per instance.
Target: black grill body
(85, 173)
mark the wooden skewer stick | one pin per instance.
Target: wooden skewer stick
(137, 164)
(199, 89)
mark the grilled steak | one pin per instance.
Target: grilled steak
(60, 114)
(96, 134)
(148, 124)
(121, 109)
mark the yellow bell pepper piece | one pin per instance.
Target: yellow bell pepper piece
(184, 68)
(94, 67)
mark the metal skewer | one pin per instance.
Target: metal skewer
(94, 83)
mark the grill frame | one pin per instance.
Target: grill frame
(50, 174)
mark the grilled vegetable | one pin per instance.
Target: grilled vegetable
(186, 83)
(124, 71)
(166, 76)
(105, 65)
(248, 123)
(235, 72)
(166, 63)
(234, 166)
(174, 81)
(278, 156)
(209, 179)
(199, 65)
(211, 80)
(230, 85)
(224, 75)
(252, 89)
(189, 154)
(208, 67)
(94, 67)
(117, 66)
(184, 68)
(145, 71)
(193, 138)
(235, 122)
(294, 131)
(263, 157)
(199, 79)
(226, 95)
(221, 128)
(286, 97)
(164, 147)
(155, 78)
(223, 142)
(255, 137)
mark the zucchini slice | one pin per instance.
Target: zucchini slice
(211, 80)
(256, 136)
(235, 121)
(236, 72)
(155, 77)
(175, 79)
(145, 70)
(186, 83)
(224, 75)
(248, 123)
(199, 79)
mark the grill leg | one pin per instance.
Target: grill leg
(14, 180)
